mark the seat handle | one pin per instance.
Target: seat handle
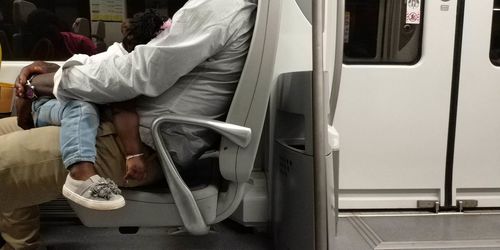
(186, 204)
(239, 135)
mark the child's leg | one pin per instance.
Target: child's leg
(78, 132)
(47, 112)
(78, 120)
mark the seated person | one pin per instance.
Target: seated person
(79, 121)
(52, 40)
(193, 69)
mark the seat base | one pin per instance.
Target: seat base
(148, 209)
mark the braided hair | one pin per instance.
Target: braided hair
(143, 27)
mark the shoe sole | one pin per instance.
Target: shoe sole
(92, 204)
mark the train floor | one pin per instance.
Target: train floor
(62, 230)
(469, 230)
(383, 231)
(71, 235)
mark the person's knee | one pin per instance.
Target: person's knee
(20, 228)
(84, 107)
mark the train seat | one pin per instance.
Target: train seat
(21, 40)
(98, 36)
(198, 204)
(81, 26)
(20, 12)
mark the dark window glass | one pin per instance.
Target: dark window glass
(57, 29)
(361, 29)
(383, 31)
(42, 29)
(495, 35)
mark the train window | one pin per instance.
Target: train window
(57, 29)
(495, 35)
(383, 31)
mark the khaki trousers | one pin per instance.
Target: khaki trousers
(32, 172)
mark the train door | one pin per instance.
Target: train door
(394, 102)
(476, 167)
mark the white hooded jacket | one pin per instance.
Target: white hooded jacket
(192, 68)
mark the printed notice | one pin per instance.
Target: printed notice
(107, 10)
(347, 26)
(413, 11)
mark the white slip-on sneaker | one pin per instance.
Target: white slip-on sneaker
(94, 193)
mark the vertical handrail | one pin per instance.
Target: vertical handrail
(319, 130)
(334, 96)
(339, 57)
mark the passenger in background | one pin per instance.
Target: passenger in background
(53, 40)
(192, 69)
(79, 121)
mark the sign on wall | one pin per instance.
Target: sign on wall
(413, 12)
(107, 10)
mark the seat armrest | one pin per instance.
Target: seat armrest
(186, 204)
(239, 135)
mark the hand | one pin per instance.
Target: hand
(136, 169)
(37, 67)
(24, 117)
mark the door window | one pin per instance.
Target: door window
(495, 35)
(383, 31)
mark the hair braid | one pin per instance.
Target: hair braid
(143, 27)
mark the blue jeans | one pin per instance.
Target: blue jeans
(78, 120)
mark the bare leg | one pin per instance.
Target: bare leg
(82, 170)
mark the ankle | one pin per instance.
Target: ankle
(82, 170)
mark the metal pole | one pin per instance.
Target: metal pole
(319, 130)
(334, 95)
(339, 58)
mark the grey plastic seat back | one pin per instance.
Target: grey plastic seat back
(21, 41)
(194, 210)
(82, 26)
(100, 30)
(249, 105)
(20, 11)
(98, 37)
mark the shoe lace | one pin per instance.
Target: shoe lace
(104, 189)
